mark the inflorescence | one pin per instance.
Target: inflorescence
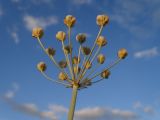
(78, 70)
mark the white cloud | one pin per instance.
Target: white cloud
(147, 53)
(15, 37)
(137, 105)
(58, 108)
(31, 21)
(138, 17)
(149, 110)
(146, 109)
(99, 113)
(81, 2)
(11, 93)
(13, 32)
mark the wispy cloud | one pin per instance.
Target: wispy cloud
(31, 21)
(147, 53)
(81, 2)
(13, 32)
(130, 15)
(11, 93)
(99, 113)
(146, 109)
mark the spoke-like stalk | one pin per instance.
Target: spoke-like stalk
(97, 52)
(80, 74)
(73, 102)
(112, 65)
(79, 53)
(51, 57)
(95, 55)
(69, 38)
(93, 70)
(94, 45)
(52, 80)
(67, 59)
(98, 80)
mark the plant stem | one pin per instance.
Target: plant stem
(73, 102)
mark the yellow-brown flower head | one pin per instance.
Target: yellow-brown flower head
(62, 64)
(37, 32)
(105, 74)
(62, 76)
(101, 41)
(81, 38)
(101, 58)
(76, 71)
(88, 65)
(69, 20)
(102, 20)
(50, 51)
(86, 50)
(61, 36)
(76, 60)
(41, 66)
(67, 49)
(122, 53)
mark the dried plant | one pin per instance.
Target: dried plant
(75, 72)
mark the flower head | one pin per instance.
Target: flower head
(86, 50)
(69, 20)
(37, 32)
(50, 51)
(62, 64)
(76, 60)
(41, 66)
(105, 74)
(101, 58)
(122, 53)
(102, 20)
(81, 38)
(67, 49)
(62, 76)
(101, 41)
(61, 36)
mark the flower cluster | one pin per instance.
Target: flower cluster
(80, 70)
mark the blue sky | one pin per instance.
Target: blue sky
(131, 93)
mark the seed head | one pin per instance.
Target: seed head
(101, 41)
(81, 38)
(67, 49)
(105, 74)
(69, 20)
(101, 58)
(86, 50)
(50, 51)
(37, 32)
(76, 60)
(122, 53)
(61, 36)
(41, 66)
(88, 65)
(62, 64)
(62, 76)
(102, 20)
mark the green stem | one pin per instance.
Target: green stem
(73, 102)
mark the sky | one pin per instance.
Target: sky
(132, 91)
